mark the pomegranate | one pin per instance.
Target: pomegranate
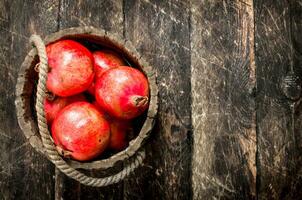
(104, 60)
(81, 131)
(52, 108)
(122, 92)
(119, 130)
(71, 68)
(91, 89)
(98, 107)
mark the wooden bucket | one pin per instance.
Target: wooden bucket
(26, 86)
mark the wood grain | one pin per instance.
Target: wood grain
(107, 15)
(24, 174)
(223, 107)
(278, 60)
(228, 127)
(160, 32)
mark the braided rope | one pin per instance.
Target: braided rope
(54, 157)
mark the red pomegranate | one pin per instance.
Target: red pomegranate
(104, 60)
(122, 92)
(119, 130)
(81, 131)
(98, 107)
(91, 89)
(52, 108)
(71, 68)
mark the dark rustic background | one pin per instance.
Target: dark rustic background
(229, 74)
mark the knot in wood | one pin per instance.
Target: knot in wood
(291, 86)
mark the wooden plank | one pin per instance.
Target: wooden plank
(278, 59)
(104, 14)
(24, 173)
(109, 16)
(160, 30)
(223, 105)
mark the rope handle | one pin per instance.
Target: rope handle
(51, 150)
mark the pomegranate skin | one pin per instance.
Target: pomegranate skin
(119, 131)
(91, 89)
(52, 108)
(122, 92)
(104, 60)
(81, 131)
(71, 68)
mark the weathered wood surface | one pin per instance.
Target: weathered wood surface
(161, 33)
(278, 61)
(243, 102)
(223, 108)
(107, 15)
(24, 174)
